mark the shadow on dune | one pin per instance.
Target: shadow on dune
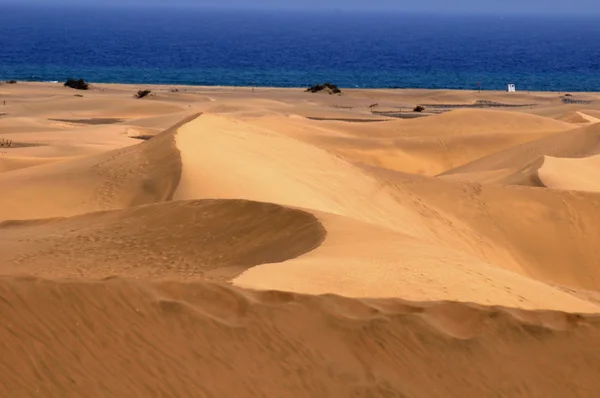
(207, 239)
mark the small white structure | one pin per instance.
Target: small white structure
(511, 88)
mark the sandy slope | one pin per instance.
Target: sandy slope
(519, 165)
(278, 190)
(414, 269)
(184, 240)
(431, 145)
(571, 174)
(575, 117)
(545, 231)
(131, 339)
(228, 158)
(15, 163)
(134, 175)
(436, 253)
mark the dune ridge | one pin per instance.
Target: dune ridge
(138, 174)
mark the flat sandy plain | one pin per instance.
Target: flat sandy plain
(225, 242)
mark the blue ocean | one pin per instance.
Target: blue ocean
(299, 48)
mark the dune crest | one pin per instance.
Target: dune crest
(148, 172)
(227, 158)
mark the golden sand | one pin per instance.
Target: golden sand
(271, 242)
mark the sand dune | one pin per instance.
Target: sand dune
(216, 239)
(15, 163)
(522, 159)
(573, 117)
(160, 122)
(190, 339)
(135, 175)
(227, 158)
(589, 118)
(579, 117)
(245, 160)
(428, 270)
(425, 156)
(471, 121)
(23, 125)
(432, 145)
(594, 113)
(545, 232)
(95, 106)
(271, 242)
(571, 174)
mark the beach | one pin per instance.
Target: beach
(256, 241)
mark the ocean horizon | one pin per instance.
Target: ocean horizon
(209, 47)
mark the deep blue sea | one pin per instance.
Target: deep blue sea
(290, 49)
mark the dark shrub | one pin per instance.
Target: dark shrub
(12, 82)
(143, 93)
(419, 108)
(144, 137)
(77, 84)
(331, 88)
(316, 88)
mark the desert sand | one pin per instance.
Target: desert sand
(220, 242)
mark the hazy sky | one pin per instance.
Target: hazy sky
(441, 6)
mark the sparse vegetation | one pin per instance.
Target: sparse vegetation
(419, 108)
(4, 143)
(77, 84)
(143, 93)
(92, 122)
(144, 137)
(11, 81)
(78, 95)
(328, 87)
